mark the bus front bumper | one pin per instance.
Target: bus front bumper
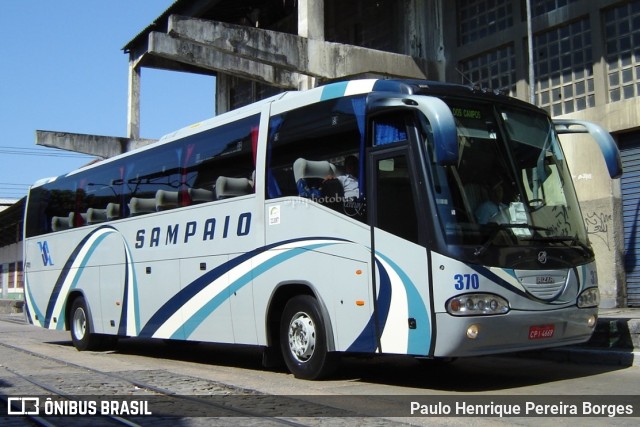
(514, 331)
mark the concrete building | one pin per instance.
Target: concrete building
(584, 62)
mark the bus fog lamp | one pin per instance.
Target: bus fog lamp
(472, 332)
(589, 298)
(477, 305)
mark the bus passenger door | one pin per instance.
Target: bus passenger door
(400, 265)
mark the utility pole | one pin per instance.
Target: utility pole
(532, 80)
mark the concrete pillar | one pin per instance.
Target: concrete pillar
(601, 207)
(311, 19)
(306, 83)
(133, 116)
(223, 93)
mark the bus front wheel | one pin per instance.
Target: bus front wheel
(303, 339)
(81, 332)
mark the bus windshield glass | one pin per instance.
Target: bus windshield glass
(510, 186)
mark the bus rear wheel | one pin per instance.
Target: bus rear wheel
(81, 330)
(303, 339)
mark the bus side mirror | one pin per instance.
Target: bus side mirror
(443, 125)
(606, 143)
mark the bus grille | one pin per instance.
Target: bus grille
(546, 286)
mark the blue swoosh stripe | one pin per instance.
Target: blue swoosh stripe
(334, 90)
(420, 338)
(61, 279)
(183, 296)
(366, 340)
(498, 280)
(67, 269)
(200, 316)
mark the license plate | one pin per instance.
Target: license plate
(541, 332)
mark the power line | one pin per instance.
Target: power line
(13, 190)
(21, 151)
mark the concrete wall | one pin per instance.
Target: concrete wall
(600, 196)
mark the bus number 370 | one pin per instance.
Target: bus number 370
(466, 281)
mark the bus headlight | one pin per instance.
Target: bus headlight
(589, 298)
(477, 305)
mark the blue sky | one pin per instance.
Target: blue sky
(62, 68)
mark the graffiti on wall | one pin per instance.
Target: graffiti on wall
(598, 226)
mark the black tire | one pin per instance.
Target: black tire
(303, 339)
(81, 328)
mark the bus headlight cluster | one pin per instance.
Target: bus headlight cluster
(477, 304)
(589, 298)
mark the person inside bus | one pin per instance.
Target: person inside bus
(493, 209)
(349, 178)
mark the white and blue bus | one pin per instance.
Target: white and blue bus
(369, 216)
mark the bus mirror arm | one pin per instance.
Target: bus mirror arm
(607, 145)
(438, 113)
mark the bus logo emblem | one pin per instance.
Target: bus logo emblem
(542, 257)
(46, 255)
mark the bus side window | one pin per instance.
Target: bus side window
(326, 132)
(102, 193)
(61, 204)
(153, 183)
(219, 163)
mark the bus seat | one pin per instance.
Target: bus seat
(200, 195)
(309, 175)
(59, 223)
(113, 211)
(95, 216)
(77, 220)
(138, 205)
(166, 200)
(232, 187)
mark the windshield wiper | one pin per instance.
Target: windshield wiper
(500, 227)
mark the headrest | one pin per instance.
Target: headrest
(139, 205)
(200, 195)
(167, 199)
(303, 168)
(232, 187)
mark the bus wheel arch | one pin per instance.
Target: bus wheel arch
(80, 325)
(299, 330)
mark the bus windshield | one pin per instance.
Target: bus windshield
(511, 185)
